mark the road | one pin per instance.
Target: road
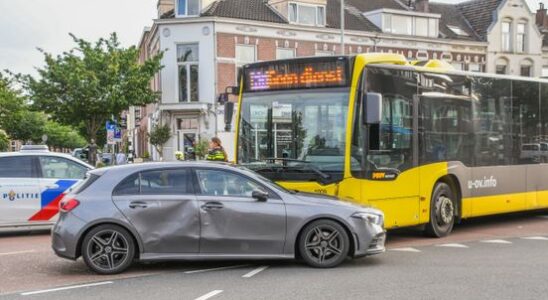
(503, 257)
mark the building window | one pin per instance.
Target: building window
(324, 53)
(458, 66)
(187, 61)
(285, 53)
(525, 71)
(501, 69)
(520, 38)
(245, 54)
(457, 30)
(544, 71)
(506, 33)
(312, 15)
(472, 67)
(188, 7)
(408, 25)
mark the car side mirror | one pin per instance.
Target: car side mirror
(260, 195)
(372, 108)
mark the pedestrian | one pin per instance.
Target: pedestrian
(216, 151)
(120, 158)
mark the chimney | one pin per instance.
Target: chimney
(541, 19)
(422, 6)
(164, 6)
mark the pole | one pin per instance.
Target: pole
(342, 27)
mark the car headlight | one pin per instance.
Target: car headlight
(368, 216)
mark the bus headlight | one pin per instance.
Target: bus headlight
(369, 216)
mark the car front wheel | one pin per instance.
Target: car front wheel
(108, 249)
(324, 244)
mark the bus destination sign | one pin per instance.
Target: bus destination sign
(296, 74)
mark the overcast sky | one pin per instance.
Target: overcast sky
(28, 24)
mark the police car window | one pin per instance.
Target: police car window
(221, 183)
(61, 168)
(16, 167)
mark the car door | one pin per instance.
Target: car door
(233, 222)
(58, 174)
(162, 207)
(19, 189)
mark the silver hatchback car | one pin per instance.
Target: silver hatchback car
(204, 211)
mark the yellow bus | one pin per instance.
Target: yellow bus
(422, 142)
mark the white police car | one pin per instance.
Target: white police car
(32, 183)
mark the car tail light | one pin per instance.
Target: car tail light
(68, 204)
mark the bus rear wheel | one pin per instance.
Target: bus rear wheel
(442, 211)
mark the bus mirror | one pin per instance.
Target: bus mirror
(373, 108)
(229, 113)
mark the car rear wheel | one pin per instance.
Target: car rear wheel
(442, 211)
(108, 249)
(324, 244)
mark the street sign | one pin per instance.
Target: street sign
(111, 128)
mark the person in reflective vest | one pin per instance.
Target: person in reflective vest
(216, 150)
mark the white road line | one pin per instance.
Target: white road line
(215, 269)
(255, 272)
(406, 249)
(66, 288)
(209, 295)
(496, 242)
(17, 252)
(452, 245)
(535, 238)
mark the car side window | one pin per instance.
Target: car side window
(16, 167)
(155, 182)
(61, 168)
(222, 183)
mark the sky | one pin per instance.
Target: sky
(26, 25)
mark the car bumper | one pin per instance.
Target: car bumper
(370, 240)
(64, 236)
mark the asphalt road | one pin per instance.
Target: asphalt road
(504, 257)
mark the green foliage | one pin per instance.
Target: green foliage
(159, 135)
(88, 84)
(25, 125)
(11, 102)
(201, 148)
(4, 141)
(61, 136)
(146, 155)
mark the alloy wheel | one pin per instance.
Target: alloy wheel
(324, 244)
(108, 249)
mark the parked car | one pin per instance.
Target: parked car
(200, 210)
(32, 182)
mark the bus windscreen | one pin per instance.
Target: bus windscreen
(296, 74)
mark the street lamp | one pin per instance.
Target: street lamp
(342, 27)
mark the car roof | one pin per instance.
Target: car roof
(160, 165)
(44, 153)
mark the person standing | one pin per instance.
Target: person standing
(216, 151)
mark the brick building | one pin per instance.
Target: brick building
(206, 41)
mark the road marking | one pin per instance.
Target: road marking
(535, 238)
(254, 272)
(452, 245)
(66, 288)
(209, 295)
(496, 242)
(215, 269)
(406, 249)
(17, 252)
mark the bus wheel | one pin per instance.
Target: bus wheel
(442, 211)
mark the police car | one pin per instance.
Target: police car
(32, 183)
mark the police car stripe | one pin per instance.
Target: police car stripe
(51, 199)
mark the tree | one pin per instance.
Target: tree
(25, 125)
(61, 136)
(89, 84)
(159, 135)
(4, 141)
(11, 101)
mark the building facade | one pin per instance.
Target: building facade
(206, 42)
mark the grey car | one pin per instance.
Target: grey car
(206, 211)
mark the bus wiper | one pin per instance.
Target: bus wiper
(304, 165)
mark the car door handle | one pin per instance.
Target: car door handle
(138, 204)
(212, 206)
